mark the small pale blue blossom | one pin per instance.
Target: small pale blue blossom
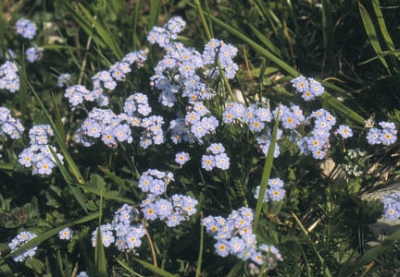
(65, 234)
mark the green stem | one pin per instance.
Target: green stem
(267, 170)
(200, 258)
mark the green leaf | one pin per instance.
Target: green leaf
(97, 181)
(35, 264)
(100, 256)
(111, 195)
(119, 181)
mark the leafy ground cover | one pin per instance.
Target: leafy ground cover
(197, 138)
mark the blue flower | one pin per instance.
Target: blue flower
(391, 204)
(63, 79)
(181, 158)
(300, 84)
(216, 148)
(276, 193)
(65, 234)
(222, 161)
(318, 154)
(163, 208)
(373, 136)
(44, 166)
(345, 131)
(132, 240)
(315, 87)
(222, 247)
(208, 162)
(149, 212)
(34, 54)
(174, 219)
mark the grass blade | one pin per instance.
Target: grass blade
(154, 269)
(372, 254)
(46, 235)
(104, 33)
(60, 140)
(330, 100)
(382, 25)
(327, 31)
(371, 33)
(303, 229)
(265, 40)
(155, 6)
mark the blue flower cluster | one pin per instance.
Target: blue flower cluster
(254, 116)
(105, 79)
(235, 237)
(196, 125)
(20, 240)
(123, 231)
(38, 155)
(387, 135)
(391, 206)
(34, 53)
(112, 128)
(182, 69)
(217, 157)
(25, 28)
(174, 210)
(104, 124)
(153, 133)
(274, 192)
(317, 142)
(10, 125)
(309, 88)
(9, 79)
